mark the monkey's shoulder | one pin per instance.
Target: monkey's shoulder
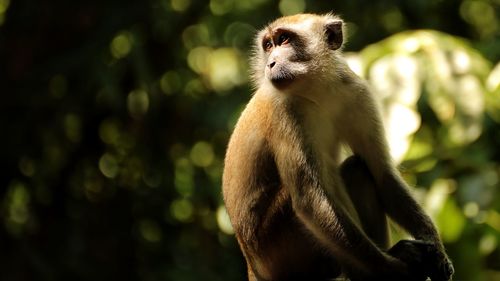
(258, 119)
(248, 139)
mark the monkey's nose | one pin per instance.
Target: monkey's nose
(271, 64)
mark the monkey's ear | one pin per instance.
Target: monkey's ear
(334, 34)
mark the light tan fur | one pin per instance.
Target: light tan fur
(287, 193)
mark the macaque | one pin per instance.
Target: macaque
(299, 212)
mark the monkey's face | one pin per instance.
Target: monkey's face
(285, 62)
(296, 48)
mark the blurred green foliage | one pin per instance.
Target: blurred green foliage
(115, 117)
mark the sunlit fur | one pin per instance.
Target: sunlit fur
(297, 211)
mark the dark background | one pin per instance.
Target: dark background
(113, 140)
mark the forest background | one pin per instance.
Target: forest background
(115, 116)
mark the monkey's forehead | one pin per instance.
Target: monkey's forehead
(300, 22)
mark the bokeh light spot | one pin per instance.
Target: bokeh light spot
(170, 82)
(194, 88)
(150, 231)
(249, 4)
(225, 69)
(402, 122)
(183, 180)
(392, 19)
(221, 7)
(471, 209)
(121, 45)
(198, 59)
(18, 199)
(109, 132)
(487, 244)
(4, 5)
(138, 103)
(355, 63)
(481, 15)
(438, 194)
(182, 210)
(73, 127)
(291, 7)
(493, 219)
(27, 166)
(223, 220)
(180, 5)
(108, 165)
(92, 186)
(202, 154)
(196, 35)
(450, 221)
(461, 61)
(239, 34)
(493, 81)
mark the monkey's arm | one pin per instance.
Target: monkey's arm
(403, 209)
(365, 135)
(329, 222)
(407, 212)
(395, 196)
(367, 139)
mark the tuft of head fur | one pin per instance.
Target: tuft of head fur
(311, 29)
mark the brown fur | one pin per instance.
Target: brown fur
(297, 211)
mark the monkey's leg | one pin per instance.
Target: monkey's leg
(360, 185)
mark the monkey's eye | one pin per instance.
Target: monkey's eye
(283, 39)
(267, 45)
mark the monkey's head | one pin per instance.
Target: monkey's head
(297, 49)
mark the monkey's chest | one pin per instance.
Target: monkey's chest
(324, 141)
(327, 154)
(326, 147)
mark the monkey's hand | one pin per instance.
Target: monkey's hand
(440, 267)
(413, 253)
(423, 259)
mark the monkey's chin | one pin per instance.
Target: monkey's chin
(281, 82)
